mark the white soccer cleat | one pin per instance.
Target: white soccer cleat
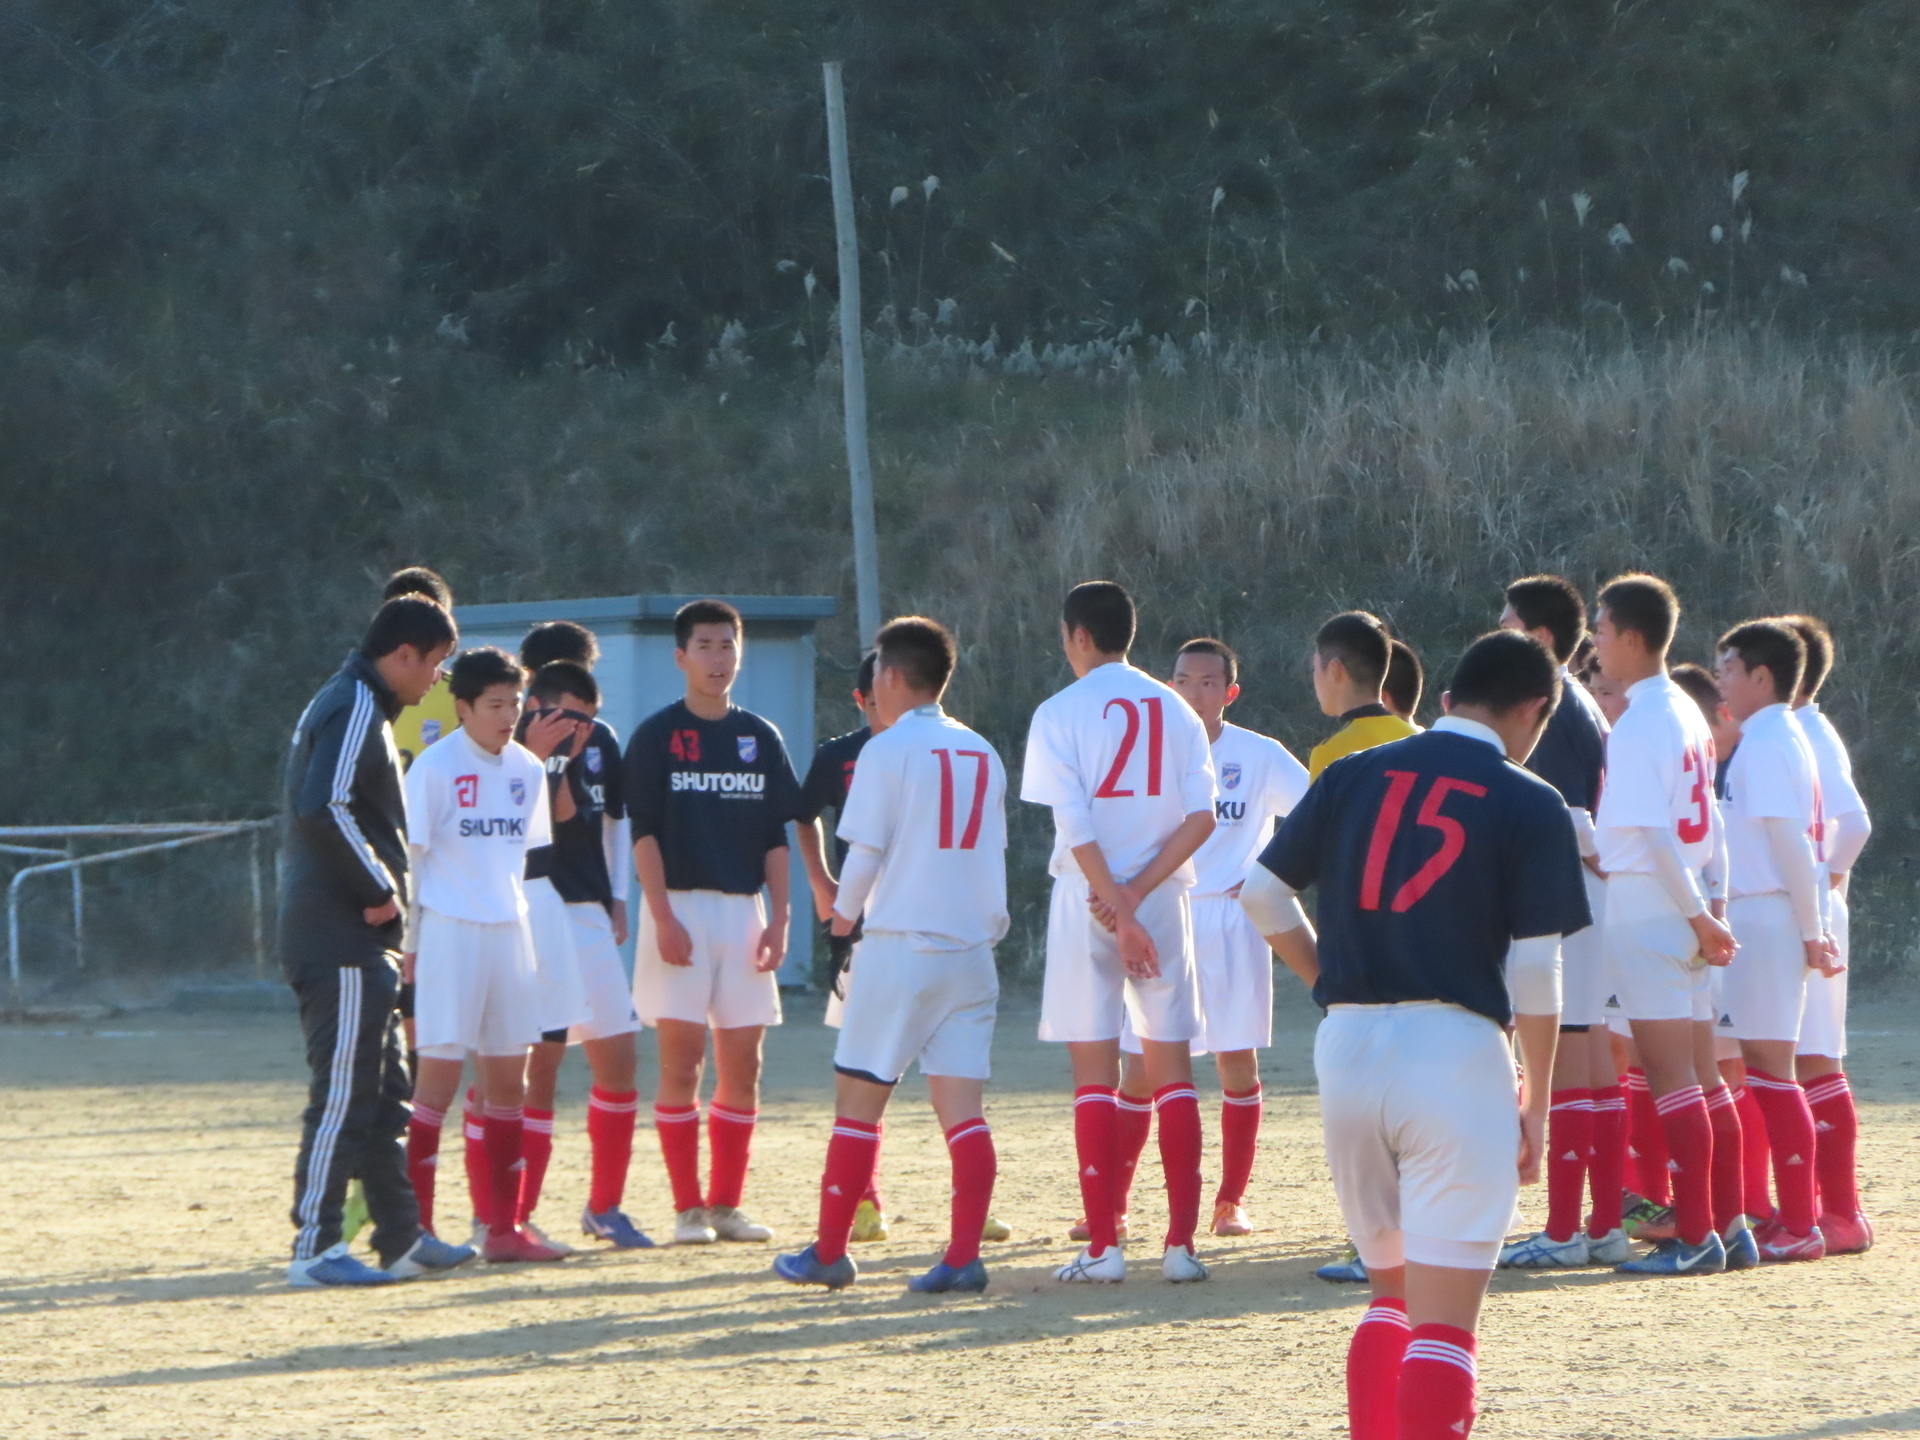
(1610, 1249)
(731, 1224)
(690, 1227)
(1088, 1269)
(1181, 1265)
(543, 1238)
(478, 1236)
(1541, 1252)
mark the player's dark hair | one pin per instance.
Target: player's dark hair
(1700, 686)
(1105, 611)
(1359, 642)
(1406, 680)
(1646, 605)
(1818, 639)
(1774, 644)
(408, 620)
(703, 612)
(1505, 669)
(864, 683)
(1583, 660)
(479, 670)
(1207, 645)
(921, 650)
(1550, 603)
(418, 580)
(564, 677)
(553, 640)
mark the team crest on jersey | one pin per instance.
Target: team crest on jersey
(517, 788)
(1230, 775)
(466, 790)
(749, 748)
(593, 761)
(429, 732)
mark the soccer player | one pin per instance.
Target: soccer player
(1777, 910)
(418, 726)
(1448, 876)
(476, 803)
(1658, 832)
(1123, 763)
(1405, 682)
(1823, 1030)
(1350, 659)
(343, 884)
(709, 792)
(1587, 1113)
(825, 788)
(926, 822)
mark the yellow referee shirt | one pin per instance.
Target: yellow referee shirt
(1366, 727)
(420, 725)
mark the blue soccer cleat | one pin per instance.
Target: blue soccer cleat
(942, 1278)
(1676, 1257)
(616, 1229)
(806, 1269)
(1743, 1251)
(430, 1255)
(1350, 1269)
(334, 1267)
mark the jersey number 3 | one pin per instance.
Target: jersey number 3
(1156, 735)
(1386, 825)
(970, 836)
(1694, 828)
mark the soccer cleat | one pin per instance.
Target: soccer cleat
(353, 1214)
(1634, 1209)
(1082, 1234)
(334, 1267)
(995, 1229)
(540, 1237)
(477, 1236)
(731, 1224)
(1847, 1234)
(1181, 1265)
(1350, 1269)
(806, 1269)
(430, 1255)
(1780, 1245)
(1676, 1257)
(1086, 1268)
(690, 1227)
(1609, 1249)
(616, 1228)
(519, 1246)
(1655, 1226)
(1543, 1252)
(1743, 1251)
(1230, 1219)
(942, 1278)
(869, 1224)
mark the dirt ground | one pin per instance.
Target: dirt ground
(144, 1182)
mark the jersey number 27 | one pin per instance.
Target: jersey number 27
(970, 836)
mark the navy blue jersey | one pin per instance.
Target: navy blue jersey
(828, 780)
(716, 795)
(1432, 855)
(1572, 754)
(577, 862)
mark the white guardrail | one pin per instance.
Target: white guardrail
(69, 859)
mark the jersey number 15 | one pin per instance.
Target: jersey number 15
(970, 836)
(1386, 825)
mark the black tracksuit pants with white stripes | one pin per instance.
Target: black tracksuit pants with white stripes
(356, 1110)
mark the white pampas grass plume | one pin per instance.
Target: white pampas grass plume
(1002, 251)
(1582, 202)
(1676, 266)
(1619, 237)
(1716, 234)
(1219, 194)
(1796, 278)
(1470, 281)
(1737, 186)
(810, 283)
(898, 197)
(929, 185)
(786, 267)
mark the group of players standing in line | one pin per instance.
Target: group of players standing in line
(1466, 909)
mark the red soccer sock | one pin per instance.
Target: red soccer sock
(1437, 1384)
(1689, 1134)
(1789, 1119)
(1373, 1371)
(1647, 1142)
(505, 1125)
(610, 1121)
(1569, 1142)
(423, 1157)
(1607, 1160)
(730, 1139)
(970, 1148)
(1756, 1157)
(1836, 1133)
(1094, 1150)
(473, 1131)
(1178, 1110)
(536, 1149)
(1729, 1179)
(1240, 1112)
(851, 1153)
(1132, 1124)
(678, 1127)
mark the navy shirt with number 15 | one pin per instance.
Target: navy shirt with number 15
(1432, 855)
(716, 795)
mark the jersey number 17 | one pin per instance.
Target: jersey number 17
(970, 836)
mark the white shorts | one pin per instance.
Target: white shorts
(1234, 969)
(1617, 1020)
(474, 988)
(934, 1006)
(562, 1001)
(1725, 1045)
(720, 988)
(1421, 1114)
(1652, 953)
(1584, 981)
(1766, 986)
(603, 976)
(1087, 995)
(1823, 1024)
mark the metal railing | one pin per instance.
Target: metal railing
(73, 862)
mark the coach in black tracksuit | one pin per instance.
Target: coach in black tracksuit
(343, 899)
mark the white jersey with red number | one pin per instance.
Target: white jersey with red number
(471, 818)
(1772, 776)
(1659, 776)
(1258, 782)
(1121, 759)
(931, 797)
(1838, 794)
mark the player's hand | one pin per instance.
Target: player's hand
(551, 732)
(1102, 912)
(839, 926)
(1592, 862)
(617, 913)
(1716, 940)
(1718, 909)
(1823, 955)
(1532, 1144)
(674, 943)
(408, 960)
(382, 914)
(825, 892)
(1137, 952)
(771, 949)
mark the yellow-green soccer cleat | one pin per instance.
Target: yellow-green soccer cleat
(353, 1215)
(868, 1223)
(995, 1229)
